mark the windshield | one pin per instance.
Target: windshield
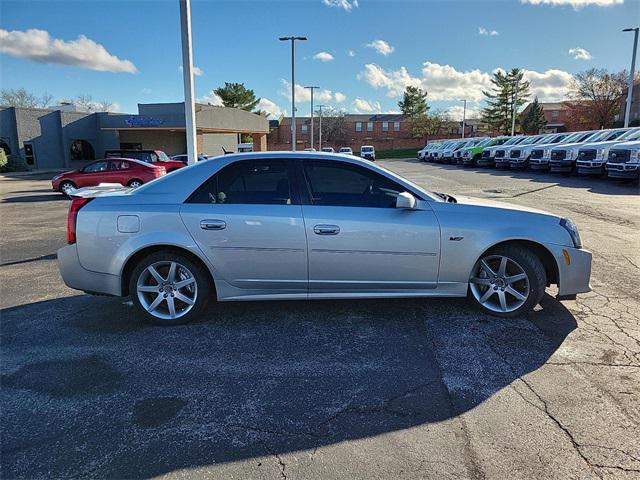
(574, 137)
(630, 135)
(512, 141)
(483, 142)
(367, 149)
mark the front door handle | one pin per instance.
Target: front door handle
(326, 229)
(213, 224)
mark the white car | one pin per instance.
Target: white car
(346, 150)
(368, 152)
(327, 149)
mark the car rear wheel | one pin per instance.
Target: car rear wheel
(169, 288)
(135, 183)
(507, 282)
(67, 187)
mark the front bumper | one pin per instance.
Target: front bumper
(539, 163)
(590, 168)
(77, 277)
(502, 162)
(561, 166)
(485, 161)
(574, 269)
(623, 170)
(518, 163)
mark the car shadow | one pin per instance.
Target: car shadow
(87, 387)
(593, 184)
(35, 198)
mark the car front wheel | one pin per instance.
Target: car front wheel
(169, 288)
(507, 281)
(67, 188)
(135, 183)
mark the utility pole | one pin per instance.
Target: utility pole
(293, 86)
(515, 107)
(320, 129)
(312, 89)
(464, 116)
(187, 76)
(627, 111)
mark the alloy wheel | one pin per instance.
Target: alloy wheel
(67, 188)
(135, 184)
(499, 284)
(167, 290)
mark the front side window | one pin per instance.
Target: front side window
(96, 167)
(251, 182)
(340, 184)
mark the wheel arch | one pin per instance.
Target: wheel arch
(133, 260)
(546, 257)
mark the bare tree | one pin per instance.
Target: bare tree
(22, 98)
(85, 102)
(334, 127)
(105, 106)
(428, 124)
(596, 95)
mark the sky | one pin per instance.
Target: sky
(362, 54)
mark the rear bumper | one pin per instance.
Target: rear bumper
(574, 269)
(76, 276)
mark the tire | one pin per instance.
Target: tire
(135, 183)
(66, 186)
(198, 291)
(487, 291)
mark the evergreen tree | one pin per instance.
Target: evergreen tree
(414, 102)
(508, 88)
(533, 120)
(236, 95)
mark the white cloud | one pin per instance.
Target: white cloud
(146, 91)
(351, 53)
(580, 54)
(382, 47)
(303, 95)
(346, 5)
(457, 112)
(487, 33)
(197, 71)
(323, 56)
(576, 3)
(210, 99)
(272, 109)
(38, 46)
(444, 82)
(363, 106)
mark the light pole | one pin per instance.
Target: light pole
(515, 107)
(464, 115)
(627, 112)
(312, 89)
(187, 75)
(320, 129)
(293, 86)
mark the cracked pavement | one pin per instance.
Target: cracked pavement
(333, 389)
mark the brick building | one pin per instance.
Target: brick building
(383, 131)
(634, 114)
(556, 114)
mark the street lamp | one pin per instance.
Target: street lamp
(187, 78)
(320, 129)
(312, 89)
(627, 112)
(293, 86)
(464, 115)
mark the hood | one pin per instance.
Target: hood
(102, 190)
(486, 202)
(632, 145)
(600, 144)
(568, 145)
(544, 146)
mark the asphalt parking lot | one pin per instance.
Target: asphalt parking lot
(328, 389)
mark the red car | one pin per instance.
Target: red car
(147, 156)
(125, 171)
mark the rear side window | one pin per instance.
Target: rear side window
(340, 184)
(250, 182)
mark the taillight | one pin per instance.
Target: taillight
(72, 217)
(160, 171)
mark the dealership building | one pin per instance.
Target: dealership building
(54, 138)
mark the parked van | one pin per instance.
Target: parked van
(503, 160)
(472, 154)
(542, 162)
(521, 158)
(624, 160)
(368, 152)
(563, 158)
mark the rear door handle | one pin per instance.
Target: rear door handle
(326, 229)
(213, 224)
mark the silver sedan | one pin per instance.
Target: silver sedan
(283, 225)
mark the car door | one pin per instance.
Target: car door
(92, 174)
(358, 241)
(247, 219)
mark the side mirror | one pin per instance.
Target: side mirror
(406, 200)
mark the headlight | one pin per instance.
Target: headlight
(547, 153)
(599, 153)
(635, 157)
(571, 154)
(571, 227)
